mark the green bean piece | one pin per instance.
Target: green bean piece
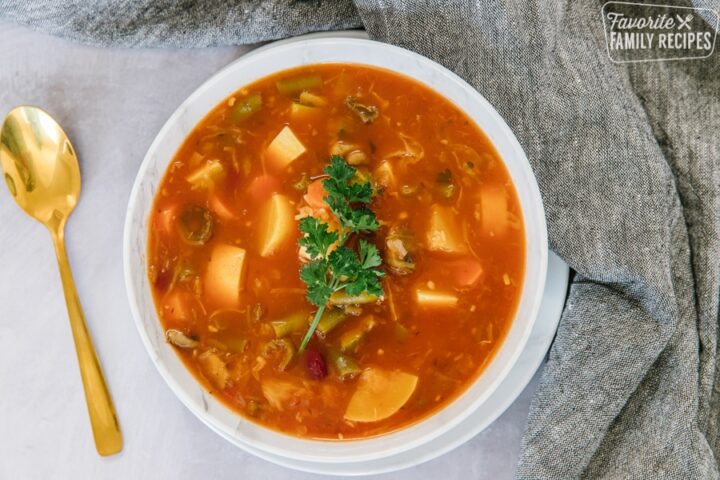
(289, 86)
(247, 107)
(342, 298)
(345, 366)
(331, 318)
(350, 340)
(290, 324)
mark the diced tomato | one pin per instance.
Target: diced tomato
(262, 187)
(315, 195)
(221, 207)
(164, 222)
(465, 272)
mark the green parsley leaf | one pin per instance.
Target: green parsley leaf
(343, 264)
(369, 255)
(363, 220)
(331, 269)
(314, 274)
(316, 239)
(339, 170)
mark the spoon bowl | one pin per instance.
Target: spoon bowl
(41, 172)
(41, 169)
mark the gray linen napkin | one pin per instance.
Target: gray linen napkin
(628, 161)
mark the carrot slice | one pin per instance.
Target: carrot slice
(315, 195)
(465, 272)
(221, 207)
(262, 187)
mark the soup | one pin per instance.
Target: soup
(336, 251)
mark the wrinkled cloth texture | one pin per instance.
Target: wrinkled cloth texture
(627, 157)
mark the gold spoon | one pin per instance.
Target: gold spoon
(42, 174)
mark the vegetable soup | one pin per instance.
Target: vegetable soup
(336, 251)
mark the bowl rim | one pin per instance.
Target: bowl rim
(305, 443)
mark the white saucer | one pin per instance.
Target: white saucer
(540, 339)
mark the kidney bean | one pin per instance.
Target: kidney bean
(315, 365)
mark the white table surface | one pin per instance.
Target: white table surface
(112, 103)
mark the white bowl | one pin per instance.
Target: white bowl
(258, 64)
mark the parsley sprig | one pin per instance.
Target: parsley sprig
(334, 266)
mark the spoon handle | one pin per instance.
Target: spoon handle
(105, 427)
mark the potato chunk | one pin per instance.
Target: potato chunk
(283, 150)
(277, 224)
(433, 299)
(225, 275)
(207, 175)
(380, 394)
(178, 307)
(443, 233)
(283, 393)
